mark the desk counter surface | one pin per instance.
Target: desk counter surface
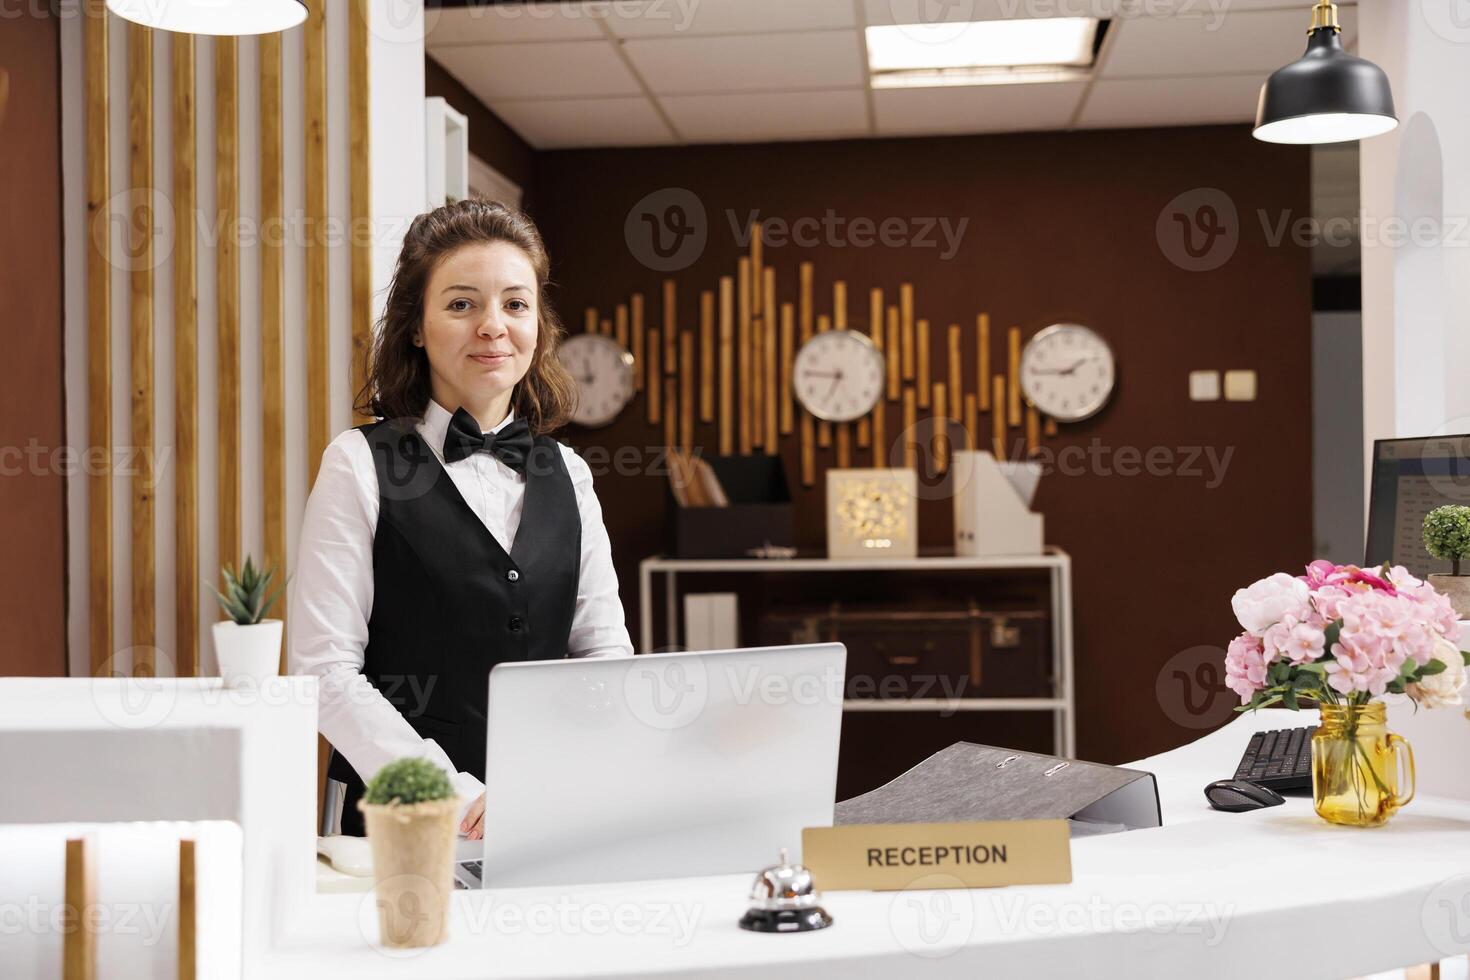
(1274, 892)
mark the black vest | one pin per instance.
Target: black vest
(449, 603)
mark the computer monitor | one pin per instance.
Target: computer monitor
(657, 766)
(1410, 478)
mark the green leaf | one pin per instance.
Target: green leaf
(1466, 655)
(1395, 686)
(1331, 633)
(1432, 668)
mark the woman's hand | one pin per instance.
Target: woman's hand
(473, 824)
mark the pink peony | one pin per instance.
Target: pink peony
(1245, 666)
(1296, 641)
(1269, 601)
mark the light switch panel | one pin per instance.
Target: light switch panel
(1204, 386)
(1240, 386)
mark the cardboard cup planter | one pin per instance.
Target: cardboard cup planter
(410, 809)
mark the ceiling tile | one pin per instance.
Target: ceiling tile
(754, 116)
(539, 70)
(976, 108)
(962, 11)
(694, 17)
(488, 23)
(1234, 43)
(549, 124)
(748, 63)
(1143, 102)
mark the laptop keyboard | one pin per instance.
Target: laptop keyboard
(471, 870)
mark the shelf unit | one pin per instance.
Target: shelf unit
(1058, 564)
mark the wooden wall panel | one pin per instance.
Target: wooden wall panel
(318, 419)
(359, 94)
(140, 317)
(186, 361)
(79, 945)
(99, 339)
(227, 297)
(272, 319)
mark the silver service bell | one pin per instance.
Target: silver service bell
(784, 899)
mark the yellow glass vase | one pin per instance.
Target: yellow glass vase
(1361, 772)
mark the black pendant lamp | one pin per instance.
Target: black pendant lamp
(1326, 95)
(224, 17)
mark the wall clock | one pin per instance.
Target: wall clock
(1068, 372)
(838, 375)
(603, 371)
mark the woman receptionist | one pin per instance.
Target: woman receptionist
(454, 533)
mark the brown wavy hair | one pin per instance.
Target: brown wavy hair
(397, 384)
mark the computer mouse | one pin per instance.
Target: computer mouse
(1240, 795)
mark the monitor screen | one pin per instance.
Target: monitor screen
(1411, 477)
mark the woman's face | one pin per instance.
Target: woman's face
(479, 328)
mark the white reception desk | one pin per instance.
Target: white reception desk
(1272, 893)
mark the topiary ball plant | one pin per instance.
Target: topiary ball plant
(407, 781)
(1447, 534)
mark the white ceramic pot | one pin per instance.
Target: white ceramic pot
(248, 653)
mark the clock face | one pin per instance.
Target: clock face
(603, 371)
(838, 375)
(1067, 372)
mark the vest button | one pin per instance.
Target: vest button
(512, 576)
(515, 624)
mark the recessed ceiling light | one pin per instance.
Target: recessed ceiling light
(981, 52)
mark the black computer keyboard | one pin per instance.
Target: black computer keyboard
(1280, 759)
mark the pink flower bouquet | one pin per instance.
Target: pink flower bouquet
(1343, 635)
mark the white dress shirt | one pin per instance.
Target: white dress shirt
(332, 589)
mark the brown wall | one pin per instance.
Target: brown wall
(1061, 226)
(32, 495)
(490, 138)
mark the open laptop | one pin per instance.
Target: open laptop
(656, 766)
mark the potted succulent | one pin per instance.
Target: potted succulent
(410, 810)
(247, 645)
(1447, 537)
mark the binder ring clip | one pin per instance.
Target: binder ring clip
(1006, 761)
(1056, 768)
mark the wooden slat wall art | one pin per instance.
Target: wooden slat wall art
(79, 944)
(671, 326)
(706, 356)
(671, 412)
(140, 315)
(1033, 430)
(1013, 377)
(638, 333)
(273, 317)
(880, 328)
(607, 328)
(804, 325)
(982, 361)
(227, 295)
(742, 343)
(875, 334)
(359, 180)
(972, 421)
(906, 323)
(186, 358)
(771, 390)
(1050, 427)
(620, 325)
(589, 319)
(998, 417)
(727, 366)
(318, 420)
(956, 383)
(893, 352)
(758, 324)
(788, 360)
(940, 423)
(686, 391)
(188, 910)
(99, 341)
(824, 429)
(655, 380)
(760, 299)
(922, 381)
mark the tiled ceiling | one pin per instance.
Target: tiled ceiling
(577, 73)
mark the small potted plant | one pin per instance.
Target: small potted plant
(247, 645)
(1447, 537)
(410, 810)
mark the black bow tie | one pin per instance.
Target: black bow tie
(511, 445)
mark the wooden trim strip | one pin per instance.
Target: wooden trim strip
(639, 338)
(1013, 380)
(956, 384)
(998, 417)
(359, 191)
(589, 319)
(824, 428)
(910, 419)
(940, 423)
(686, 391)
(227, 294)
(620, 325)
(771, 391)
(875, 334)
(972, 420)
(140, 316)
(804, 301)
(742, 342)
(318, 419)
(671, 326)
(273, 317)
(921, 363)
(99, 341)
(892, 354)
(188, 909)
(982, 361)
(906, 323)
(706, 356)
(727, 367)
(79, 944)
(655, 389)
(186, 361)
(788, 363)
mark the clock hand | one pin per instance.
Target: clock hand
(820, 374)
